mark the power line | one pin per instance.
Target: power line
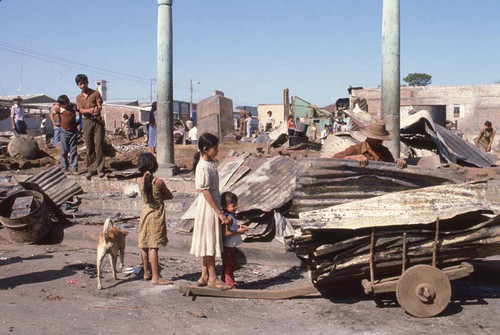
(65, 62)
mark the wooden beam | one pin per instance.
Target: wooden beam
(249, 294)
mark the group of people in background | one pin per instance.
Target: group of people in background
(69, 119)
(190, 135)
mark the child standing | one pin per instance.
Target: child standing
(232, 237)
(152, 225)
(207, 233)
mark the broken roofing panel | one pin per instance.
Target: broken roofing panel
(269, 187)
(451, 147)
(403, 208)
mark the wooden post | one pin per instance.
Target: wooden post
(435, 245)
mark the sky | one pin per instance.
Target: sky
(250, 50)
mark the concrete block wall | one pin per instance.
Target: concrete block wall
(113, 115)
(477, 103)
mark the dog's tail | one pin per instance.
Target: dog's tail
(107, 226)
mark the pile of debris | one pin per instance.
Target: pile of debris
(445, 225)
(264, 186)
(421, 138)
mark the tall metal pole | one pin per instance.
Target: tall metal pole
(191, 98)
(390, 72)
(165, 92)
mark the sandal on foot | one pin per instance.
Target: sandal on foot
(219, 285)
(162, 281)
(147, 276)
(201, 282)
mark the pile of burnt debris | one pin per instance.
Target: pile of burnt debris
(444, 225)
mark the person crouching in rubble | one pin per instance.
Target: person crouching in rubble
(207, 234)
(372, 148)
(152, 224)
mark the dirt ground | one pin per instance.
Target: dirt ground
(51, 289)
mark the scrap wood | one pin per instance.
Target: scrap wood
(249, 294)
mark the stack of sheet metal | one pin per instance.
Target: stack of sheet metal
(336, 242)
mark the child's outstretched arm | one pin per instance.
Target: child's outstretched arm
(211, 202)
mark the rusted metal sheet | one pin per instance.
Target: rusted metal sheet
(56, 185)
(323, 182)
(403, 208)
(451, 147)
(269, 187)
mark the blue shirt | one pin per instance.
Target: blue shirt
(234, 240)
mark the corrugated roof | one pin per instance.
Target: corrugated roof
(56, 185)
(325, 182)
(403, 208)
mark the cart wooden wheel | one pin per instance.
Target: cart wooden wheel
(423, 291)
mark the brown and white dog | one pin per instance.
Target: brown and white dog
(111, 241)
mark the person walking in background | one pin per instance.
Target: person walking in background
(65, 114)
(152, 129)
(193, 135)
(314, 132)
(243, 117)
(17, 117)
(89, 103)
(249, 124)
(43, 126)
(486, 137)
(270, 121)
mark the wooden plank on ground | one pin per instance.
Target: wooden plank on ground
(249, 294)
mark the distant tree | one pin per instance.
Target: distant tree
(497, 82)
(418, 79)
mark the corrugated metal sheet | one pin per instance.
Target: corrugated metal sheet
(267, 188)
(56, 185)
(403, 208)
(453, 148)
(323, 182)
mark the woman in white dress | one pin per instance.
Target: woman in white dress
(207, 233)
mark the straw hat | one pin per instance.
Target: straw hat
(377, 130)
(18, 98)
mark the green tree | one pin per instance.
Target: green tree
(418, 79)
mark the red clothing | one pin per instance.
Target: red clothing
(291, 125)
(228, 266)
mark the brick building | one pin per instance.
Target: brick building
(469, 105)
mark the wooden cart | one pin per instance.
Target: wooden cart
(422, 290)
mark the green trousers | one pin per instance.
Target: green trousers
(93, 135)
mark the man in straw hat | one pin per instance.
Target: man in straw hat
(17, 117)
(372, 148)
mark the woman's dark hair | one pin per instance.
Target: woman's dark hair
(228, 198)
(152, 120)
(81, 78)
(148, 163)
(206, 140)
(487, 124)
(63, 100)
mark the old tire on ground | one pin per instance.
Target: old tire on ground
(423, 291)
